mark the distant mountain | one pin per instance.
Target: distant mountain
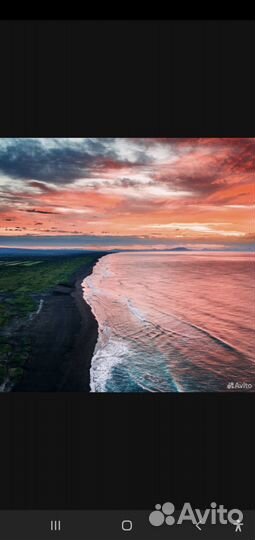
(181, 248)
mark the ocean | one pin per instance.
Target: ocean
(173, 322)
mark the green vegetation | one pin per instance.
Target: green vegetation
(38, 278)
(22, 283)
(18, 305)
(14, 352)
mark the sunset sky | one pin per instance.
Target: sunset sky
(127, 192)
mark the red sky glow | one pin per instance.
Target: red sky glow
(192, 190)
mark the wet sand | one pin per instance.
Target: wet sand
(63, 336)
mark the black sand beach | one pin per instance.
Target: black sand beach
(63, 337)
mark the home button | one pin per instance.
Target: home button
(127, 525)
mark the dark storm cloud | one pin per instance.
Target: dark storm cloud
(29, 159)
(59, 161)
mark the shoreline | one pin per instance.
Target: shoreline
(63, 335)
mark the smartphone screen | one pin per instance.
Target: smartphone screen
(127, 311)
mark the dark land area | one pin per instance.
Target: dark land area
(47, 331)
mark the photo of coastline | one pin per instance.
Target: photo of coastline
(127, 265)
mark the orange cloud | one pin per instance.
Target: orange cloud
(165, 188)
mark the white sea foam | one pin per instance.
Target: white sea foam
(105, 358)
(108, 351)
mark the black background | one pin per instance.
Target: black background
(132, 79)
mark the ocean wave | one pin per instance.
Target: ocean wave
(157, 334)
(106, 357)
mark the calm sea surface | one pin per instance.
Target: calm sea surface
(173, 322)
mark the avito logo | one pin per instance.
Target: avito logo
(162, 515)
(214, 515)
